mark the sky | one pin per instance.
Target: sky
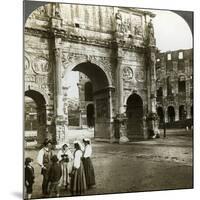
(171, 33)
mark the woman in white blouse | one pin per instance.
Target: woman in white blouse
(87, 163)
(78, 182)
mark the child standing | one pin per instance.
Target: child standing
(55, 174)
(29, 177)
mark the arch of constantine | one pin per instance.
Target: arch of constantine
(113, 46)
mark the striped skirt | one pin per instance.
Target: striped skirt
(78, 182)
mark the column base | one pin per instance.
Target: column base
(123, 140)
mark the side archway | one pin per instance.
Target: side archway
(160, 113)
(40, 103)
(171, 114)
(134, 114)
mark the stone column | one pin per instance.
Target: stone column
(120, 82)
(60, 129)
(151, 80)
(56, 26)
(176, 113)
(59, 120)
(110, 104)
(166, 114)
(112, 134)
(50, 121)
(80, 119)
(188, 109)
(145, 131)
(59, 95)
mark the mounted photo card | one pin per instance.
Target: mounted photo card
(108, 99)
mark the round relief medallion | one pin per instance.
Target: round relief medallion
(127, 73)
(26, 64)
(41, 66)
(140, 76)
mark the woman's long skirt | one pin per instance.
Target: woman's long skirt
(89, 172)
(78, 182)
(66, 170)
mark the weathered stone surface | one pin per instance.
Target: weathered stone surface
(175, 86)
(112, 51)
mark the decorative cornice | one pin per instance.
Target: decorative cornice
(112, 44)
(37, 32)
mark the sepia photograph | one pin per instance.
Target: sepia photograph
(107, 99)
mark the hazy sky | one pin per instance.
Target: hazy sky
(171, 32)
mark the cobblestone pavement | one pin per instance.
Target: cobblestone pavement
(159, 164)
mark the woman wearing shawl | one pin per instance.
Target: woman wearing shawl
(78, 182)
(87, 163)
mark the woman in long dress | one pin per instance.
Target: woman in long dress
(65, 157)
(87, 163)
(78, 182)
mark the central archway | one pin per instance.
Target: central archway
(96, 75)
(135, 116)
(99, 114)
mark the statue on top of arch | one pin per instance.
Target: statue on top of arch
(150, 34)
(56, 10)
(118, 18)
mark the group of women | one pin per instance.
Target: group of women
(77, 168)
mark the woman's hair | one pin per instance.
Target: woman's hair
(64, 146)
(46, 142)
(77, 146)
(86, 141)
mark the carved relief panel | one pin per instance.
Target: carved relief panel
(127, 73)
(39, 17)
(41, 66)
(37, 70)
(129, 23)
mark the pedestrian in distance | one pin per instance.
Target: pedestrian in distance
(44, 160)
(65, 158)
(55, 173)
(164, 129)
(29, 177)
(87, 163)
(78, 182)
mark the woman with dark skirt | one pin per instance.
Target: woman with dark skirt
(87, 163)
(78, 182)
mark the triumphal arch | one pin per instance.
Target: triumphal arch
(113, 46)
